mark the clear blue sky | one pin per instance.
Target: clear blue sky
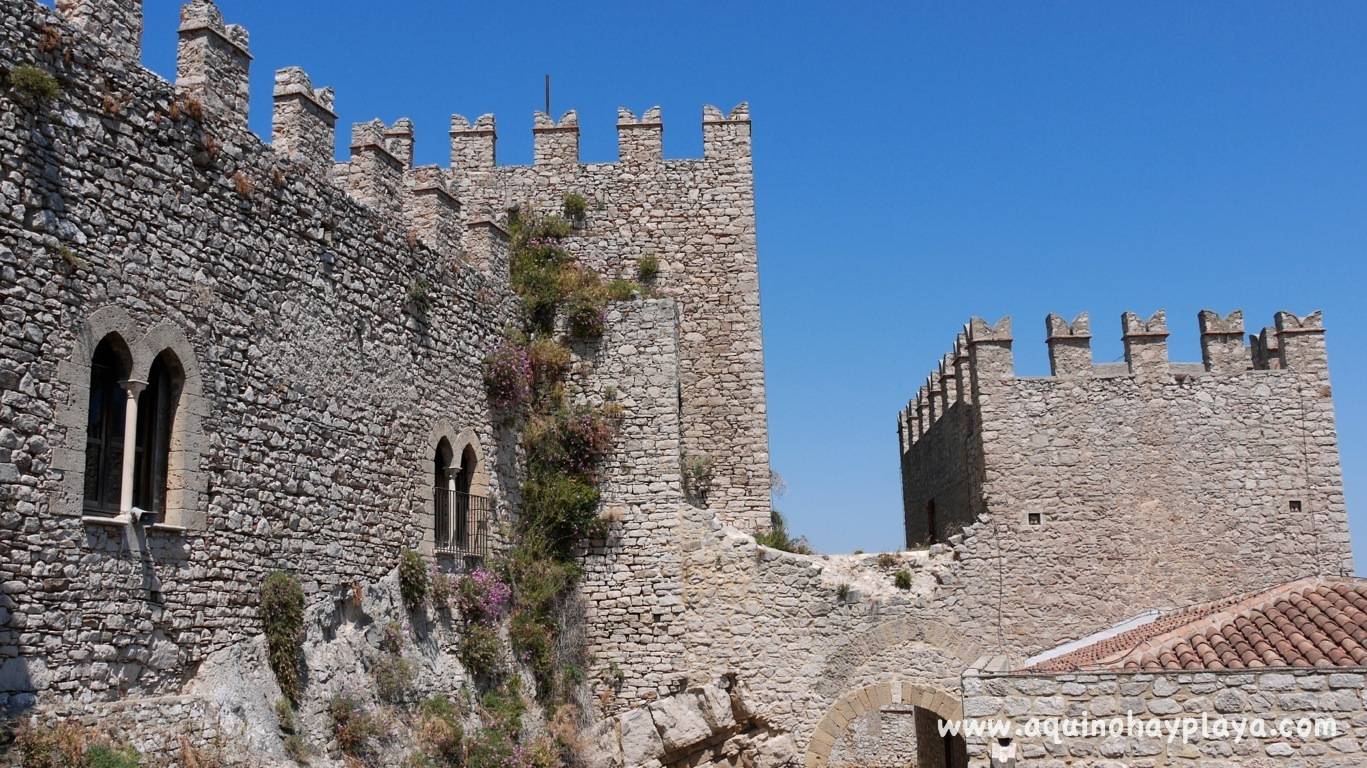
(917, 164)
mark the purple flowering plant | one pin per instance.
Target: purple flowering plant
(508, 376)
(483, 597)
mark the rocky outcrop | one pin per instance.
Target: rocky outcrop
(705, 726)
(230, 708)
(341, 651)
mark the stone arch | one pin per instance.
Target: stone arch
(463, 443)
(856, 703)
(184, 479)
(858, 649)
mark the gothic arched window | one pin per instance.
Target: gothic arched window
(442, 495)
(464, 479)
(156, 416)
(109, 368)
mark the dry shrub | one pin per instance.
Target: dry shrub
(243, 184)
(49, 39)
(46, 745)
(195, 757)
(354, 728)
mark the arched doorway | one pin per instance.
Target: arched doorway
(906, 711)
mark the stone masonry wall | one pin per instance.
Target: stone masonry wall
(937, 469)
(1110, 490)
(878, 740)
(289, 306)
(675, 598)
(804, 631)
(697, 217)
(1270, 696)
(630, 582)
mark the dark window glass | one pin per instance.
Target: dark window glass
(463, 480)
(156, 416)
(441, 496)
(104, 430)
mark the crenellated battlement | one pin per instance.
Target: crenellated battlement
(726, 137)
(375, 175)
(1301, 341)
(982, 357)
(303, 122)
(1070, 345)
(473, 144)
(640, 140)
(1222, 342)
(555, 142)
(398, 139)
(432, 210)
(212, 63)
(1146, 343)
(1066, 467)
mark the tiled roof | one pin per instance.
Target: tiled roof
(1316, 622)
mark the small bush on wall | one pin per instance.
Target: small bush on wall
(412, 579)
(576, 207)
(480, 650)
(647, 269)
(354, 728)
(777, 537)
(697, 478)
(482, 596)
(32, 86)
(508, 377)
(282, 617)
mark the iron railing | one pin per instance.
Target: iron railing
(462, 523)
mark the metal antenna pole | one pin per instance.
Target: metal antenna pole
(548, 95)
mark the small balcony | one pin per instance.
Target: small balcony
(462, 522)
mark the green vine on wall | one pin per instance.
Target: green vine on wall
(563, 443)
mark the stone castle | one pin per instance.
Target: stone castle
(293, 348)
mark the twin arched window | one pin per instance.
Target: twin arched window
(114, 480)
(461, 518)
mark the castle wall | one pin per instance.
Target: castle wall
(675, 598)
(804, 631)
(1110, 491)
(318, 382)
(937, 469)
(630, 578)
(697, 217)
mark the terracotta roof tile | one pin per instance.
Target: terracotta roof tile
(1306, 623)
